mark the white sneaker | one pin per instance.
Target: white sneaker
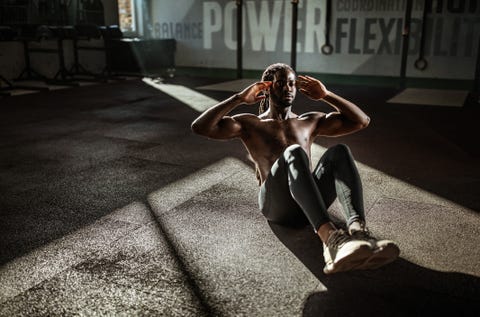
(343, 253)
(383, 251)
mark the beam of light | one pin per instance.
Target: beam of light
(233, 85)
(172, 195)
(45, 262)
(193, 99)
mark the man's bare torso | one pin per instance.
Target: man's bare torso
(268, 135)
(266, 139)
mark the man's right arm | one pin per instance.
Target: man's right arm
(214, 123)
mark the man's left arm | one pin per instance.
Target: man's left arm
(347, 117)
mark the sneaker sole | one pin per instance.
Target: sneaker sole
(381, 257)
(350, 262)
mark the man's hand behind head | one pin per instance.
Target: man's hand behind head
(311, 87)
(255, 92)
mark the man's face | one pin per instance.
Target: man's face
(283, 90)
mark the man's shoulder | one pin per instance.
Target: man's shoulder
(314, 115)
(245, 117)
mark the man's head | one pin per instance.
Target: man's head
(282, 91)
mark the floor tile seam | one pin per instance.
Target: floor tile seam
(141, 158)
(33, 121)
(445, 203)
(227, 177)
(82, 170)
(142, 99)
(153, 119)
(180, 256)
(171, 209)
(137, 227)
(183, 201)
(189, 276)
(143, 116)
(212, 296)
(108, 159)
(29, 92)
(121, 285)
(95, 254)
(100, 163)
(67, 173)
(43, 139)
(373, 204)
(126, 140)
(76, 262)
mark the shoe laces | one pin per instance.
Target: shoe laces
(337, 238)
(362, 235)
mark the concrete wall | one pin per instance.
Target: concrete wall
(366, 35)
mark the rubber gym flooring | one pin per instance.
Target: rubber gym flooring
(110, 205)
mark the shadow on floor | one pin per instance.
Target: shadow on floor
(205, 308)
(398, 289)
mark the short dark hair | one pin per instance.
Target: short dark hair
(268, 75)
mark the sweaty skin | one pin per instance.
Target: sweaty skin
(266, 136)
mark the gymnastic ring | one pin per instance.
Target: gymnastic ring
(327, 49)
(421, 63)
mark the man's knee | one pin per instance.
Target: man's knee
(341, 151)
(294, 148)
(295, 151)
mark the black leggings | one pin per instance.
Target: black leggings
(292, 195)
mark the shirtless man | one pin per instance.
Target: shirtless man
(279, 142)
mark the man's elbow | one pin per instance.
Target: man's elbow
(196, 127)
(366, 122)
(200, 129)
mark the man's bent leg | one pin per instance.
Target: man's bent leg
(275, 200)
(341, 252)
(337, 169)
(336, 175)
(302, 186)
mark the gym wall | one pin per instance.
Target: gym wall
(365, 35)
